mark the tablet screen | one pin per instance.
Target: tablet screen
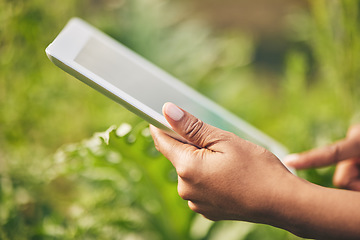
(123, 73)
(146, 86)
(140, 83)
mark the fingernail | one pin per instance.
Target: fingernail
(291, 158)
(172, 111)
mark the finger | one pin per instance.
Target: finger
(171, 148)
(324, 156)
(347, 174)
(204, 209)
(355, 186)
(191, 128)
(198, 207)
(187, 190)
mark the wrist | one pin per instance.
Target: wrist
(294, 207)
(281, 205)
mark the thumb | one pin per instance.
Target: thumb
(191, 128)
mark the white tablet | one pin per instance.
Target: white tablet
(138, 85)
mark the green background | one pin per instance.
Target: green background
(59, 180)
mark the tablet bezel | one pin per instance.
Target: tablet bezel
(64, 50)
(67, 45)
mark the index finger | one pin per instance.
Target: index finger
(170, 147)
(341, 150)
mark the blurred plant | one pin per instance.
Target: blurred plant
(321, 89)
(114, 185)
(41, 199)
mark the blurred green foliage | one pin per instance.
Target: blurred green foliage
(114, 185)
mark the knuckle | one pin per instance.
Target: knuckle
(194, 207)
(261, 150)
(193, 128)
(334, 151)
(205, 212)
(184, 192)
(183, 171)
(258, 150)
(340, 182)
(341, 179)
(223, 136)
(187, 168)
(228, 135)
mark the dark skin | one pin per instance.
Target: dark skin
(344, 153)
(228, 178)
